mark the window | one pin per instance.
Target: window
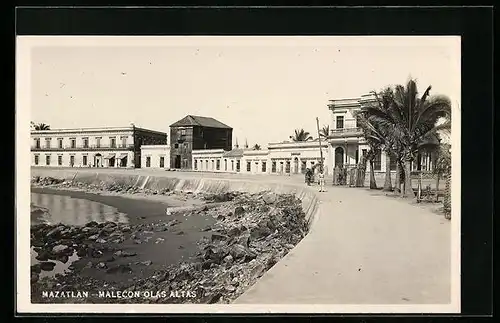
(232, 165)
(47, 142)
(37, 143)
(73, 143)
(176, 146)
(98, 142)
(36, 159)
(393, 163)
(364, 152)
(162, 162)
(377, 161)
(218, 164)
(206, 164)
(183, 132)
(225, 164)
(71, 160)
(340, 122)
(60, 143)
(287, 169)
(248, 166)
(237, 165)
(186, 145)
(213, 164)
(148, 161)
(358, 120)
(195, 164)
(264, 167)
(356, 157)
(113, 142)
(47, 160)
(124, 142)
(85, 142)
(59, 160)
(84, 160)
(273, 167)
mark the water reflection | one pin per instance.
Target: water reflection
(52, 209)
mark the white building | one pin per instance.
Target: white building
(92, 147)
(155, 156)
(279, 158)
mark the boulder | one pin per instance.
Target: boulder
(47, 265)
(60, 249)
(36, 268)
(119, 269)
(239, 210)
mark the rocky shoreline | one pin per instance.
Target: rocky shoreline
(248, 235)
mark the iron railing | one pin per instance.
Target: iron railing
(346, 132)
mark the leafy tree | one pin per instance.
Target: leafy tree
(39, 126)
(301, 135)
(324, 132)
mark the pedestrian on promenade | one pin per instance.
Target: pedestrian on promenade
(321, 177)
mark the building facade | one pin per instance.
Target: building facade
(155, 156)
(118, 147)
(196, 133)
(348, 143)
(283, 158)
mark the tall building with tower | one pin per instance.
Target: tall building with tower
(195, 133)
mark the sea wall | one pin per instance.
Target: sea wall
(310, 203)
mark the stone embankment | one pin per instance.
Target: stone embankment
(252, 232)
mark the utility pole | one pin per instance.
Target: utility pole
(320, 150)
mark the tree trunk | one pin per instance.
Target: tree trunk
(438, 177)
(397, 184)
(373, 183)
(408, 189)
(447, 197)
(388, 179)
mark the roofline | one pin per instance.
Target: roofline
(94, 129)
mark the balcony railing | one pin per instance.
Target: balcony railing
(346, 132)
(82, 147)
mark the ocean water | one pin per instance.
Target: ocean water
(54, 209)
(60, 209)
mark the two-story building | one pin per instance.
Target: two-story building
(196, 133)
(92, 147)
(348, 143)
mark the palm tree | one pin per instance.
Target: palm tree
(324, 132)
(256, 147)
(374, 139)
(384, 136)
(39, 126)
(443, 165)
(412, 120)
(301, 135)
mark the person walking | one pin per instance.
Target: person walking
(321, 177)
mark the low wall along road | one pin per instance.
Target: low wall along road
(194, 184)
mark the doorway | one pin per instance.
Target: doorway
(98, 160)
(339, 157)
(296, 165)
(177, 161)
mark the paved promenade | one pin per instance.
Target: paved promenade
(362, 249)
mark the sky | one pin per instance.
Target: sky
(263, 87)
